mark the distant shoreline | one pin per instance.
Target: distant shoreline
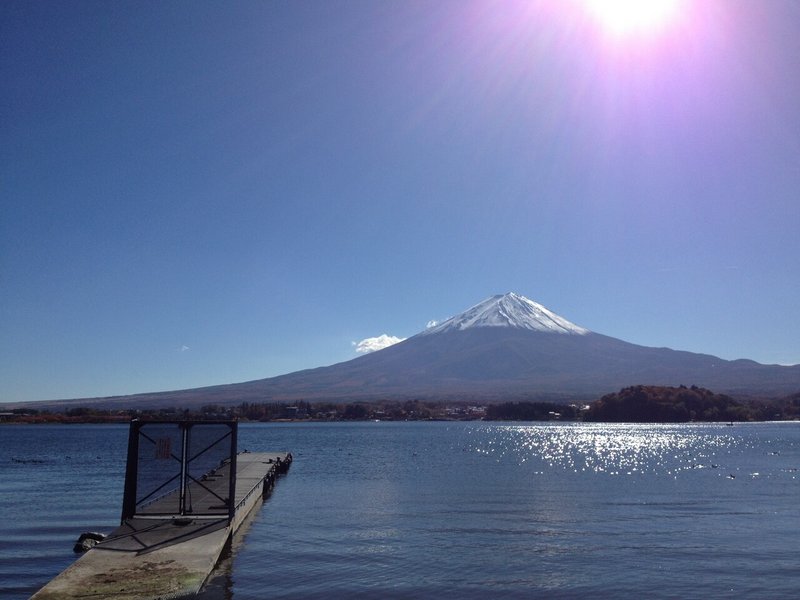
(634, 404)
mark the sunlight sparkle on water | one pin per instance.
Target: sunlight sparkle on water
(610, 449)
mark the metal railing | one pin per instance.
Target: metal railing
(180, 469)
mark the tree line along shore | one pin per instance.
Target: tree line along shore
(635, 404)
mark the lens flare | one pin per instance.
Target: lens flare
(633, 17)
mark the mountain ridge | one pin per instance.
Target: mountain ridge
(503, 348)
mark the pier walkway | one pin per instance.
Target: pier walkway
(167, 547)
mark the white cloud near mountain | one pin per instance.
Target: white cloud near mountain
(376, 343)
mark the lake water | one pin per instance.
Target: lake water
(452, 510)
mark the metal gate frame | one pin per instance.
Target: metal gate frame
(129, 501)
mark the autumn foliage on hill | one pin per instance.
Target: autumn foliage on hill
(659, 404)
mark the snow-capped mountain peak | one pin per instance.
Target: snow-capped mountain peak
(509, 310)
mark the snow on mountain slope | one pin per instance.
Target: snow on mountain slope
(509, 310)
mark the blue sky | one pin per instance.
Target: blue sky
(203, 193)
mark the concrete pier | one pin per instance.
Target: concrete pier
(155, 555)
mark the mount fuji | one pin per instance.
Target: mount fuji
(509, 310)
(506, 347)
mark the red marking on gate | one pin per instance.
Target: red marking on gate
(163, 448)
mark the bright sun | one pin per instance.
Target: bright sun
(633, 17)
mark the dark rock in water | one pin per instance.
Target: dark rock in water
(27, 461)
(87, 540)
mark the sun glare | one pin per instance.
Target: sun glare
(633, 17)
